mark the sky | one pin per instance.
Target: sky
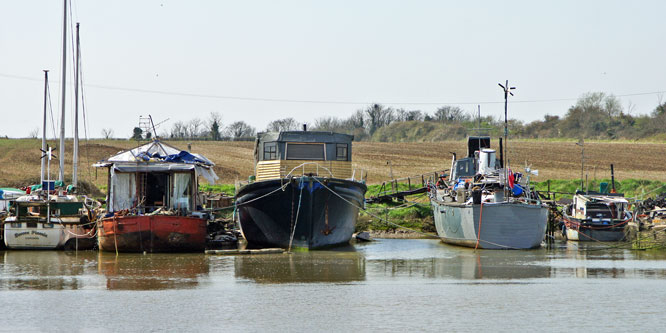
(258, 61)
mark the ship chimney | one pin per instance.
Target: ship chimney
(305, 127)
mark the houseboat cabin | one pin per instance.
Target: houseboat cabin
(323, 154)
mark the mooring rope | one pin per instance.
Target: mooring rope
(298, 210)
(373, 215)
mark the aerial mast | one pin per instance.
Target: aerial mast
(507, 92)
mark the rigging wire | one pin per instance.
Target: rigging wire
(48, 90)
(85, 118)
(305, 101)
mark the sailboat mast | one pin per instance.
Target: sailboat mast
(46, 87)
(63, 88)
(75, 156)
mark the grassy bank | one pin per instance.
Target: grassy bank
(631, 188)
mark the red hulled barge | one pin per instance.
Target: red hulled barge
(152, 200)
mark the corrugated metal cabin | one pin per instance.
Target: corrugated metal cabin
(277, 154)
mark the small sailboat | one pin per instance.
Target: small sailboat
(50, 217)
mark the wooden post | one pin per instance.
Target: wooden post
(409, 184)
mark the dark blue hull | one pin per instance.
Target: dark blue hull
(323, 218)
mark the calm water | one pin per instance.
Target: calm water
(384, 285)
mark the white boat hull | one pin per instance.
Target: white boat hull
(46, 236)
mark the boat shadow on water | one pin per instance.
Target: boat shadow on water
(335, 265)
(152, 271)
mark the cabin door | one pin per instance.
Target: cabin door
(153, 187)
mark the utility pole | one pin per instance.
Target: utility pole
(507, 92)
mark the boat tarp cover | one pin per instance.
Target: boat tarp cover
(7, 193)
(159, 157)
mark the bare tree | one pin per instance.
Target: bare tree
(34, 133)
(178, 130)
(631, 107)
(286, 124)
(328, 124)
(107, 133)
(194, 128)
(240, 129)
(450, 114)
(378, 116)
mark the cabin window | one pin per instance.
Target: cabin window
(47, 225)
(598, 210)
(305, 151)
(465, 168)
(15, 224)
(270, 151)
(341, 152)
(182, 191)
(31, 224)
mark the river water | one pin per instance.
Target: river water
(389, 284)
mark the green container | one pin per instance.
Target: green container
(603, 187)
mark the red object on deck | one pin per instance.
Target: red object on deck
(156, 233)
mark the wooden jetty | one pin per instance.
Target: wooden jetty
(253, 251)
(392, 190)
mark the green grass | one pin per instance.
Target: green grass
(228, 189)
(417, 217)
(639, 188)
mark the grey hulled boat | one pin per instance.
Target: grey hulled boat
(481, 209)
(305, 194)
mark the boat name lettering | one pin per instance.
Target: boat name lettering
(23, 233)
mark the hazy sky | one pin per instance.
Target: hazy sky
(193, 54)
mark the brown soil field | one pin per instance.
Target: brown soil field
(20, 159)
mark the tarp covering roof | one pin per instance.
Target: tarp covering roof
(8, 193)
(157, 156)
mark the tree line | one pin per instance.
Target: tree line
(595, 115)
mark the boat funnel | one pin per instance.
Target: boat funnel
(487, 159)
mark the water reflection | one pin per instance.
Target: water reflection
(460, 264)
(341, 265)
(430, 259)
(383, 260)
(129, 271)
(47, 270)
(594, 260)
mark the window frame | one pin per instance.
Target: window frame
(338, 146)
(270, 153)
(323, 145)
